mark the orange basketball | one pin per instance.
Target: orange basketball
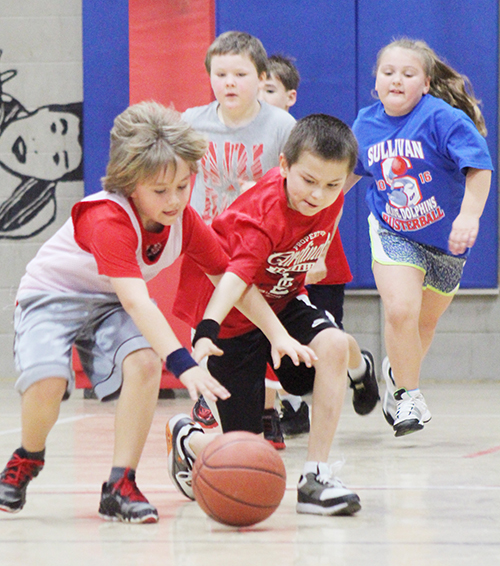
(239, 479)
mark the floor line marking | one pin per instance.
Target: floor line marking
(483, 452)
(64, 420)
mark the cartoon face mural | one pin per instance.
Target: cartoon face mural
(40, 149)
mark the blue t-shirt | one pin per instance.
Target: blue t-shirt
(418, 163)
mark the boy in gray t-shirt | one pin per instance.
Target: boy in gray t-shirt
(245, 136)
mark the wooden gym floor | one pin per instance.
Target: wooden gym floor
(429, 499)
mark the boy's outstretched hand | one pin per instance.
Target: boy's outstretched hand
(199, 382)
(286, 345)
(205, 347)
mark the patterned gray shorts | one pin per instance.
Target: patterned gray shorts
(48, 325)
(442, 271)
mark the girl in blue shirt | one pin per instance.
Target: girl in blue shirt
(423, 146)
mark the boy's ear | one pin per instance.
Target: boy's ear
(292, 97)
(283, 166)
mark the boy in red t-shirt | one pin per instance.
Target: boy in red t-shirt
(274, 234)
(325, 286)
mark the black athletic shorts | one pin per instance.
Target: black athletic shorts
(242, 368)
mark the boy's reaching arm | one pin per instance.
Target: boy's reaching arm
(233, 291)
(134, 297)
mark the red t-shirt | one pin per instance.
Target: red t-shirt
(104, 229)
(269, 244)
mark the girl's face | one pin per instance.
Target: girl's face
(313, 184)
(401, 80)
(161, 200)
(235, 82)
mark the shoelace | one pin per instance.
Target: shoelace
(128, 488)
(407, 407)
(328, 476)
(20, 470)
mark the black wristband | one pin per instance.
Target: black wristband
(207, 328)
(179, 361)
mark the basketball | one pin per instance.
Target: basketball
(239, 479)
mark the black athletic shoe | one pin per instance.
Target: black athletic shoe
(123, 501)
(321, 493)
(294, 422)
(272, 428)
(15, 479)
(365, 391)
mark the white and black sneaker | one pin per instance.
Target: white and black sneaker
(320, 493)
(411, 414)
(389, 405)
(180, 462)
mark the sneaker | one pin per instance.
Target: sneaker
(389, 405)
(123, 501)
(272, 428)
(202, 414)
(411, 413)
(180, 462)
(321, 493)
(293, 421)
(14, 480)
(365, 391)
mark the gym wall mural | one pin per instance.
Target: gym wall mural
(38, 149)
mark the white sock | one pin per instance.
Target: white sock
(315, 468)
(187, 444)
(294, 400)
(358, 373)
(414, 392)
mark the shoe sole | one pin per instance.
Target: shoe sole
(407, 427)
(277, 445)
(170, 449)
(148, 519)
(348, 507)
(9, 509)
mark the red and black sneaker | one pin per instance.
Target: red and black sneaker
(272, 428)
(202, 414)
(15, 479)
(123, 501)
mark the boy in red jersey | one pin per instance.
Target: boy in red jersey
(325, 283)
(274, 233)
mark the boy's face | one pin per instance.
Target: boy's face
(312, 183)
(273, 92)
(161, 200)
(235, 82)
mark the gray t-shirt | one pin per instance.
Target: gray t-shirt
(235, 155)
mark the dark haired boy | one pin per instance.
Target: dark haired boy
(273, 234)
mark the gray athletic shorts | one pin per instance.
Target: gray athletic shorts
(48, 325)
(442, 271)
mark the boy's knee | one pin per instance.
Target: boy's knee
(331, 342)
(144, 363)
(47, 389)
